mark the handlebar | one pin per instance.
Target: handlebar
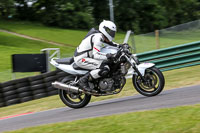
(126, 48)
(123, 48)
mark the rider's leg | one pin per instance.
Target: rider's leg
(90, 64)
(83, 82)
(94, 74)
(101, 72)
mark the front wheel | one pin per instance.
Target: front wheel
(73, 100)
(154, 82)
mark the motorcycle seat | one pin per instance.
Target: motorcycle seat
(76, 67)
(67, 61)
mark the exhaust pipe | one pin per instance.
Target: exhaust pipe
(62, 86)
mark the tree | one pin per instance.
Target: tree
(65, 13)
(7, 9)
(147, 15)
(181, 11)
(140, 16)
(100, 10)
(24, 11)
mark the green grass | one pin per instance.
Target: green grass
(148, 43)
(185, 119)
(145, 42)
(11, 44)
(175, 78)
(64, 36)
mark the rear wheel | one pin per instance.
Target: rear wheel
(154, 82)
(73, 100)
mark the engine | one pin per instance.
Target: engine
(106, 84)
(124, 68)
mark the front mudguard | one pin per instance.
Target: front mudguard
(142, 67)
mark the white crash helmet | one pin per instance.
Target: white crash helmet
(108, 29)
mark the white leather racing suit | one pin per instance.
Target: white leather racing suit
(88, 54)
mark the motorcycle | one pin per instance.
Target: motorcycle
(146, 78)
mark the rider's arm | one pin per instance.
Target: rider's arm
(113, 44)
(97, 46)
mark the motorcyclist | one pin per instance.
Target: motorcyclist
(88, 54)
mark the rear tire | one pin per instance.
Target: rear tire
(155, 84)
(73, 100)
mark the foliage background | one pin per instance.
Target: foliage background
(140, 16)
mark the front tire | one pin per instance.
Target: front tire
(73, 100)
(154, 85)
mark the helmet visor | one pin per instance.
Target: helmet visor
(110, 32)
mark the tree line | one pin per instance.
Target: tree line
(138, 15)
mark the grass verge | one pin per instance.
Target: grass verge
(144, 42)
(174, 79)
(64, 36)
(185, 119)
(11, 44)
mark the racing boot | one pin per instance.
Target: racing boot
(83, 82)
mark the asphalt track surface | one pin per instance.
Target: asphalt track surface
(168, 98)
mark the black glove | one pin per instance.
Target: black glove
(120, 45)
(126, 45)
(112, 44)
(110, 57)
(123, 45)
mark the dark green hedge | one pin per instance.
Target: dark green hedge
(138, 15)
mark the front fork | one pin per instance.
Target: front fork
(135, 68)
(138, 72)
